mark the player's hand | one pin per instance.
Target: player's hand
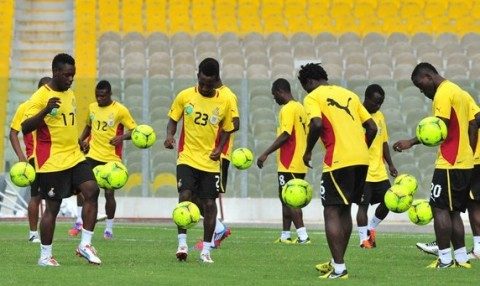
(393, 171)
(116, 140)
(307, 159)
(260, 160)
(52, 103)
(215, 155)
(401, 145)
(169, 143)
(84, 146)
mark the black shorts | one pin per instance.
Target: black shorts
(450, 188)
(374, 192)
(475, 184)
(34, 191)
(206, 185)
(94, 163)
(343, 186)
(63, 184)
(224, 164)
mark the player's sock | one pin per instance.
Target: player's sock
(33, 233)
(219, 226)
(461, 254)
(206, 247)
(79, 214)
(374, 221)
(182, 239)
(45, 251)
(476, 244)
(338, 268)
(362, 233)
(109, 224)
(86, 237)
(302, 233)
(285, 235)
(445, 255)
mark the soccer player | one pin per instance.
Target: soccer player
(221, 231)
(290, 142)
(338, 118)
(205, 111)
(60, 165)
(454, 163)
(108, 124)
(35, 199)
(377, 182)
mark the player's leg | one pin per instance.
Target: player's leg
(362, 216)
(110, 207)
(474, 212)
(77, 227)
(47, 229)
(338, 227)
(187, 182)
(33, 209)
(296, 216)
(285, 236)
(378, 193)
(221, 231)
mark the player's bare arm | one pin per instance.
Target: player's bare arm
(169, 142)
(33, 122)
(473, 134)
(275, 145)
(312, 138)
(82, 141)
(370, 131)
(119, 138)
(16, 145)
(386, 154)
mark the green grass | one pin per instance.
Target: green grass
(144, 254)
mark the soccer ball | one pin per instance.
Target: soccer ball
(407, 181)
(22, 174)
(186, 215)
(431, 131)
(297, 193)
(115, 175)
(398, 199)
(242, 158)
(420, 212)
(97, 171)
(143, 136)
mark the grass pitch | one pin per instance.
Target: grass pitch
(144, 254)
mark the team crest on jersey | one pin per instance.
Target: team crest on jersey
(189, 109)
(214, 119)
(110, 121)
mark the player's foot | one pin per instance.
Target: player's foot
(324, 267)
(48, 261)
(108, 234)
(199, 245)
(182, 253)
(438, 264)
(75, 229)
(467, 264)
(205, 258)
(430, 248)
(34, 239)
(366, 244)
(333, 275)
(473, 255)
(219, 237)
(285, 241)
(89, 253)
(299, 241)
(101, 217)
(372, 237)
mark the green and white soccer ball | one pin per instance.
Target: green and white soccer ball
(22, 174)
(431, 131)
(398, 199)
(115, 175)
(101, 182)
(420, 212)
(242, 158)
(186, 215)
(407, 181)
(143, 136)
(297, 193)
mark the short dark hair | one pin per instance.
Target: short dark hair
(209, 67)
(104, 84)
(312, 71)
(422, 67)
(281, 84)
(62, 59)
(44, 80)
(372, 89)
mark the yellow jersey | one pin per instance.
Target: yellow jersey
(227, 149)
(376, 167)
(17, 125)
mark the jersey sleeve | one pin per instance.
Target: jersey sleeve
(312, 107)
(127, 119)
(287, 117)
(442, 104)
(384, 129)
(18, 117)
(35, 106)
(362, 112)
(474, 109)
(176, 110)
(234, 106)
(227, 122)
